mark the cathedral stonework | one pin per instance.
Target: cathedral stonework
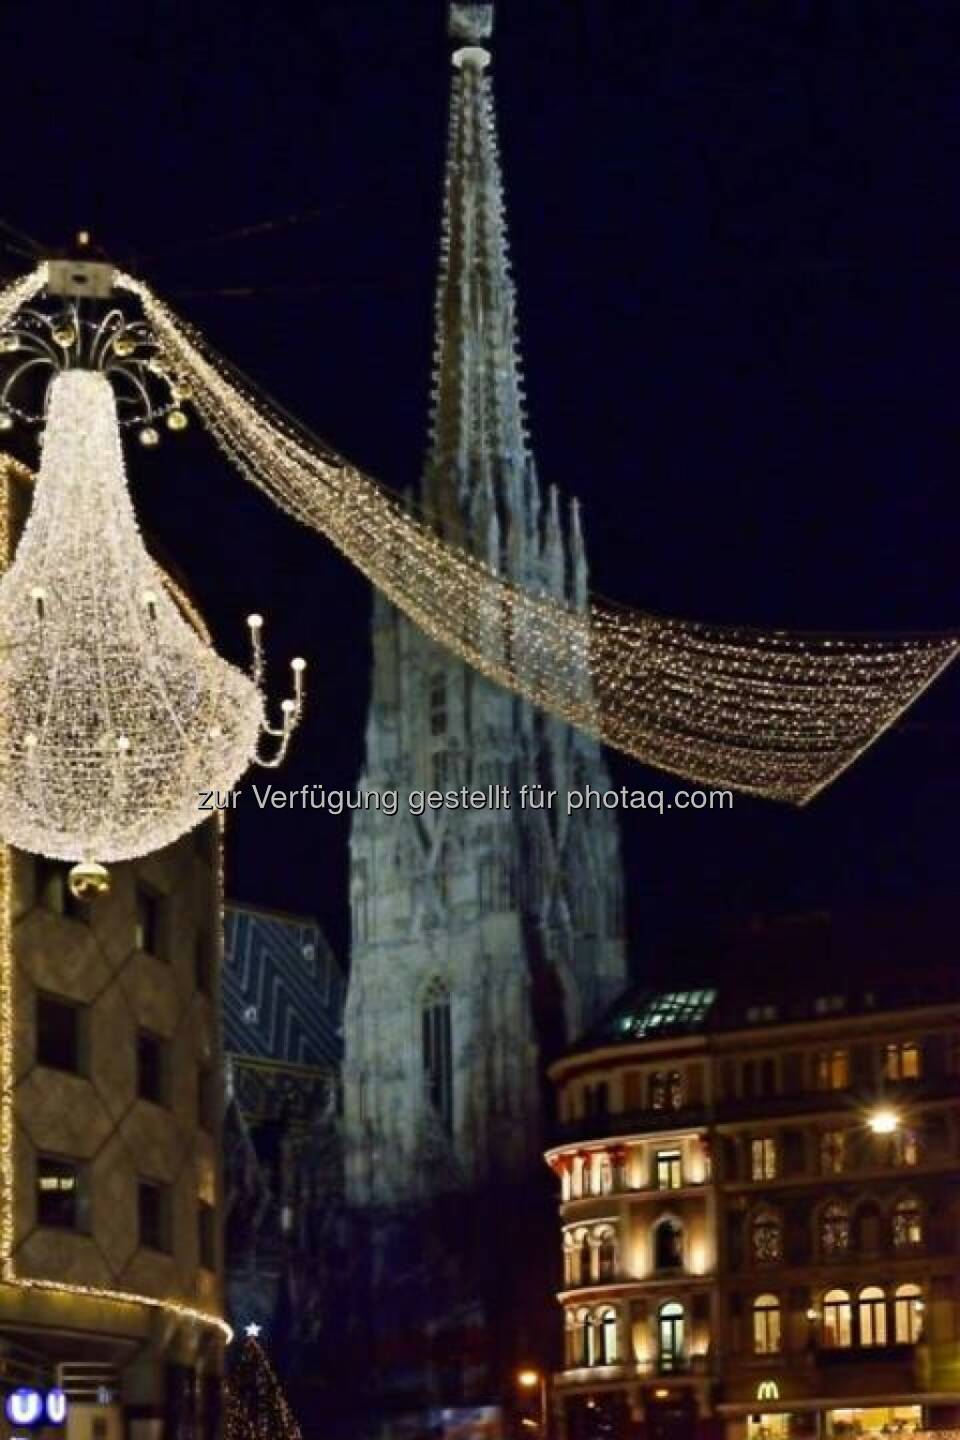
(485, 940)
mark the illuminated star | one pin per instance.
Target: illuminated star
(252, 1330)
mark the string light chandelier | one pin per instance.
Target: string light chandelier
(775, 714)
(114, 711)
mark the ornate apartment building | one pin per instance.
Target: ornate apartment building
(483, 940)
(111, 1274)
(759, 1214)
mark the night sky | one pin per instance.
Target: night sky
(735, 233)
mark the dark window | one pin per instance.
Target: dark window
(437, 1051)
(207, 1235)
(51, 885)
(206, 1101)
(148, 933)
(151, 1068)
(438, 704)
(153, 1214)
(58, 1182)
(668, 1245)
(58, 1034)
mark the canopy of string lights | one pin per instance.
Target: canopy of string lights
(775, 714)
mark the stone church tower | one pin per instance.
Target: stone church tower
(483, 940)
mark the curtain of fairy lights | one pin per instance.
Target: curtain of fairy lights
(769, 713)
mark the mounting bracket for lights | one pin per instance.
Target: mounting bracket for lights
(79, 278)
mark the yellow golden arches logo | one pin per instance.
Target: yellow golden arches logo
(768, 1390)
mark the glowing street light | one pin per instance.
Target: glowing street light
(883, 1121)
(529, 1379)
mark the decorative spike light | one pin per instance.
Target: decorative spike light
(114, 712)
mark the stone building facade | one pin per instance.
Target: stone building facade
(110, 1178)
(759, 1214)
(483, 940)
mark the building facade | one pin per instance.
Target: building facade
(760, 1215)
(111, 1284)
(282, 1000)
(482, 940)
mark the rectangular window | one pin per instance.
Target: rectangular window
(58, 1034)
(438, 704)
(153, 1215)
(833, 1148)
(832, 1070)
(58, 1183)
(207, 1235)
(763, 1158)
(902, 1061)
(669, 1170)
(905, 1148)
(148, 931)
(152, 1073)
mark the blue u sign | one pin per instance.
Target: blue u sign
(36, 1407)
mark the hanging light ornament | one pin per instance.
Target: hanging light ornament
(114, 711)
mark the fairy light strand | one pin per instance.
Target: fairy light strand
(774, 714)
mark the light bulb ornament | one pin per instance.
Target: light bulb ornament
(47, 339)
(115, 714)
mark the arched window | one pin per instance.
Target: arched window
(907, 1223)
(606, 1324)
(607, 1255)
(436, 1046)
(668, 1245)
(766, 1237)
(837, 1320)
(872, 1316)
(586, 1261)
(658, 1090)
(670, 1337)
(605, 1174)
(571, 1261)
(584, 1346)
(573, 1341)
(835, 1229)
(908, 1314)
(766, 1325)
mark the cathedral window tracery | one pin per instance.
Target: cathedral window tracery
(437, 1051)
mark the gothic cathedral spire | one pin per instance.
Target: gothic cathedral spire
(484, 939)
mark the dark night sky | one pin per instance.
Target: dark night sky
(735, 232)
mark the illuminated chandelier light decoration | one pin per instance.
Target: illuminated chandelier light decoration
(114, 712)
(775, 714)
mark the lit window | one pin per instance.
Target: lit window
(902, 1061)
(669, 1170)
(837, 1320)
(658, 1091)
(835, 1230)
(908, 1314)
(437, 1057)
(57, 1187)
(833, 1146)
(763, 1158)
(766, 1325)
(904, 1148)
(670, 1335)
(766, 1237)
(872, 1316)
(675, 1090)
(606, 1323)
(907, 1223)
(832, 1070)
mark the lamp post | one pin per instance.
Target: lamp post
(528, 1380)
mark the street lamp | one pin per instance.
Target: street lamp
(883, 1120)
(529, 1379)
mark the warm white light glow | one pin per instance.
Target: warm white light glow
(528, 1379)
(115, 712)
(883, 1121)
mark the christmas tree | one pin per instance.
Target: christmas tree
(256, 1407)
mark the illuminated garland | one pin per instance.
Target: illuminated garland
(773, 714)
(8, 1269)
